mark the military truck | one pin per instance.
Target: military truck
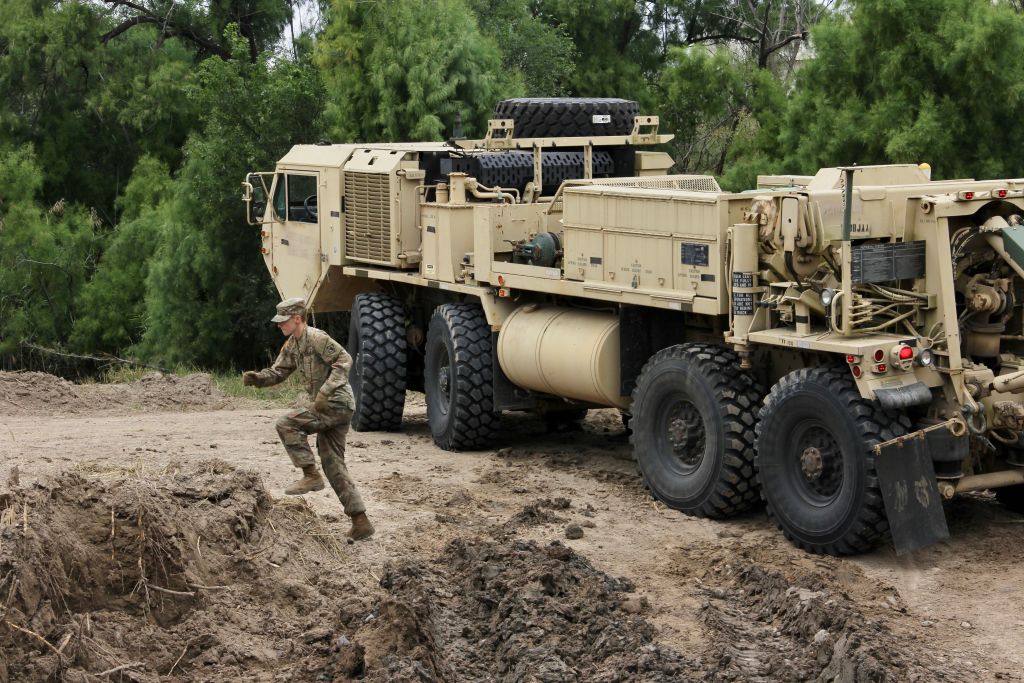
(847, 346)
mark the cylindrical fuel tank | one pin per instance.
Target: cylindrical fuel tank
(563, 351)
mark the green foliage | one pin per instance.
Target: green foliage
(722, 110)
(897, 82)
(402, 69)
(89, 111)
(619, 55)
(45, 257)
(112, 304)
(542, 55)
(207, 292)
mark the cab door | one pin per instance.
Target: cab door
(295, 249)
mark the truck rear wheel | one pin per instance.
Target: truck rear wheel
(378, 347)
(458, 378)
(815, 464)
(693, 430)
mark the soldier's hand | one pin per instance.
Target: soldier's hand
(320, 405)
(250, 378)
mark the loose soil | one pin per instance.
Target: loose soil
(144, 536)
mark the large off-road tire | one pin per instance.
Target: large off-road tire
(815, 465)
(459, 378)
(378, 347)
(542, 117)
(692, 428)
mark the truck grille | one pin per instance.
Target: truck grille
(368, 217)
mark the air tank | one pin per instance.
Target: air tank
(562, 351)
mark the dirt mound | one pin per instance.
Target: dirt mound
(194, 575)
(198, 575)
(803, 625)
(510, 612)
(28, 393)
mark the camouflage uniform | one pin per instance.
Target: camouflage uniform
(324, 366)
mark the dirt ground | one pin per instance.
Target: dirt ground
(144, 536)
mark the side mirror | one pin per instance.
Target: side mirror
(254, 199)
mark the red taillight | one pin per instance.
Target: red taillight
(881, 367)
(968, 195)
(1001, 194)
(851, 359)
(906, 353)
(857, 372)
(879, 355)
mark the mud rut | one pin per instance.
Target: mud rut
(197, 573)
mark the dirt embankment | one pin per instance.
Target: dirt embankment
(33, 393)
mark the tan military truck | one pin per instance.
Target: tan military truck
(848, 346)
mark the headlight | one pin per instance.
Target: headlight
(925, 357)
(827, 295)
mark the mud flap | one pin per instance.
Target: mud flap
(911, 495)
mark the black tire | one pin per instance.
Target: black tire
(815, 465)
(542, 117)
(692, 428)
(1012, 498)
(459, 378)
(378, 347)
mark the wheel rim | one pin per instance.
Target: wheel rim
(815, 462)
(443, 380)
(682, 434)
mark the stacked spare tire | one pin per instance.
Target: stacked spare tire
(555, 117)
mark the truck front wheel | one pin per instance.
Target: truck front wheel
(693, 430)
(377, 344)
(815, 463)
(458, 378)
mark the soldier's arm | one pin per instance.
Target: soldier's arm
(340, 361)
(279, 371)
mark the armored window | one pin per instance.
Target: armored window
(302, 198)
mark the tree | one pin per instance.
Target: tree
(45, 257)
(903, 81)
(542, 55)
(111, 305)
(201, 23)
(88, 112)
(207, 291)
(402, 70)
(721, 108)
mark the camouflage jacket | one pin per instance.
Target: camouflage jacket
(322, 362)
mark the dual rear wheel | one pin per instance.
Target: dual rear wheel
(707, 441)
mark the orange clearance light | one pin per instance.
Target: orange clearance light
(906, 353)
(879, 355)
(501, 279)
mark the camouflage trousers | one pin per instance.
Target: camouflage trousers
(330, 429)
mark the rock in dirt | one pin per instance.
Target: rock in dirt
(573, 532)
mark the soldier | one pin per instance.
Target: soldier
(324, 366)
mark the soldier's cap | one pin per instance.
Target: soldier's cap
(289, 307)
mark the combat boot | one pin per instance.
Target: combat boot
(311, 481)
(361, 527)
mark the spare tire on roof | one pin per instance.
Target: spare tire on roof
(550, 117)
